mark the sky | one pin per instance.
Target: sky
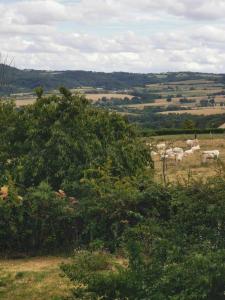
(114, 35)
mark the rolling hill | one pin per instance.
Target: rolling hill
(15, 80)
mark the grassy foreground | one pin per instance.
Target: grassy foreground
(32, 279)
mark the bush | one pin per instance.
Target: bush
(179, 255)
(40, 222)
(63, 142)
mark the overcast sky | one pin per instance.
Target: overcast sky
(115, 35)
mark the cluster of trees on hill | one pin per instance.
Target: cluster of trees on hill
(27, 80)
(148, 118)
(73, 176)
(187, 101)
(147, 98)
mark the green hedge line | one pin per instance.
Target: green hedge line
(149, 132)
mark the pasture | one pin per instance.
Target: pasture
(32, 279)
(191, 165)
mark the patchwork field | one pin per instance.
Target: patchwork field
(191, 165)
(21, 101)
(171, 94)
(206, 111)
(185, 94)
(32, 279)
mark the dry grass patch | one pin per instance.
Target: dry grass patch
(33, 279)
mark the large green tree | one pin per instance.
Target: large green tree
(59, 138)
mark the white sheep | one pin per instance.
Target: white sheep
(179, 157)
(188, 152)
(212, 153)
(195, 148)
(192, 143)
(161, 146)
(178, 150)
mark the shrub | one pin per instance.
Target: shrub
(40, 222)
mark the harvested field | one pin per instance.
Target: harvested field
(24, 102)
(192, 82)
(92, 97)
(191, 93)
(176, 101)
(207, 111)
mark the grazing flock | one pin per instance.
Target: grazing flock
(178, 154)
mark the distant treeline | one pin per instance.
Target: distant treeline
(151, 120)
(148, 132)
(113, 101)
(27, 80)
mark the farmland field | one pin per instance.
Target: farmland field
(189, 94)
(191, 165)
(194, 90)
(93, 97)
(23, 102)
(206, 111)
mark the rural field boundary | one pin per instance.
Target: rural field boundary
(149, 132)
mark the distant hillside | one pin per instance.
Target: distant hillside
(16, 80)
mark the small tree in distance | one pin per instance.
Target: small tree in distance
(39, 92)
(65, 92)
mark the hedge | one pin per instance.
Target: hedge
(148, 132)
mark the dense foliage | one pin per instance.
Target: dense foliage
(150, 119)
(62, 143)
(178, 254)
(73, 176)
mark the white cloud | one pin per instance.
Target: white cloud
(51, 34)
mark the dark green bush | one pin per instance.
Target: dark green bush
(40, 222)
(177, 255)
(65, 143)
